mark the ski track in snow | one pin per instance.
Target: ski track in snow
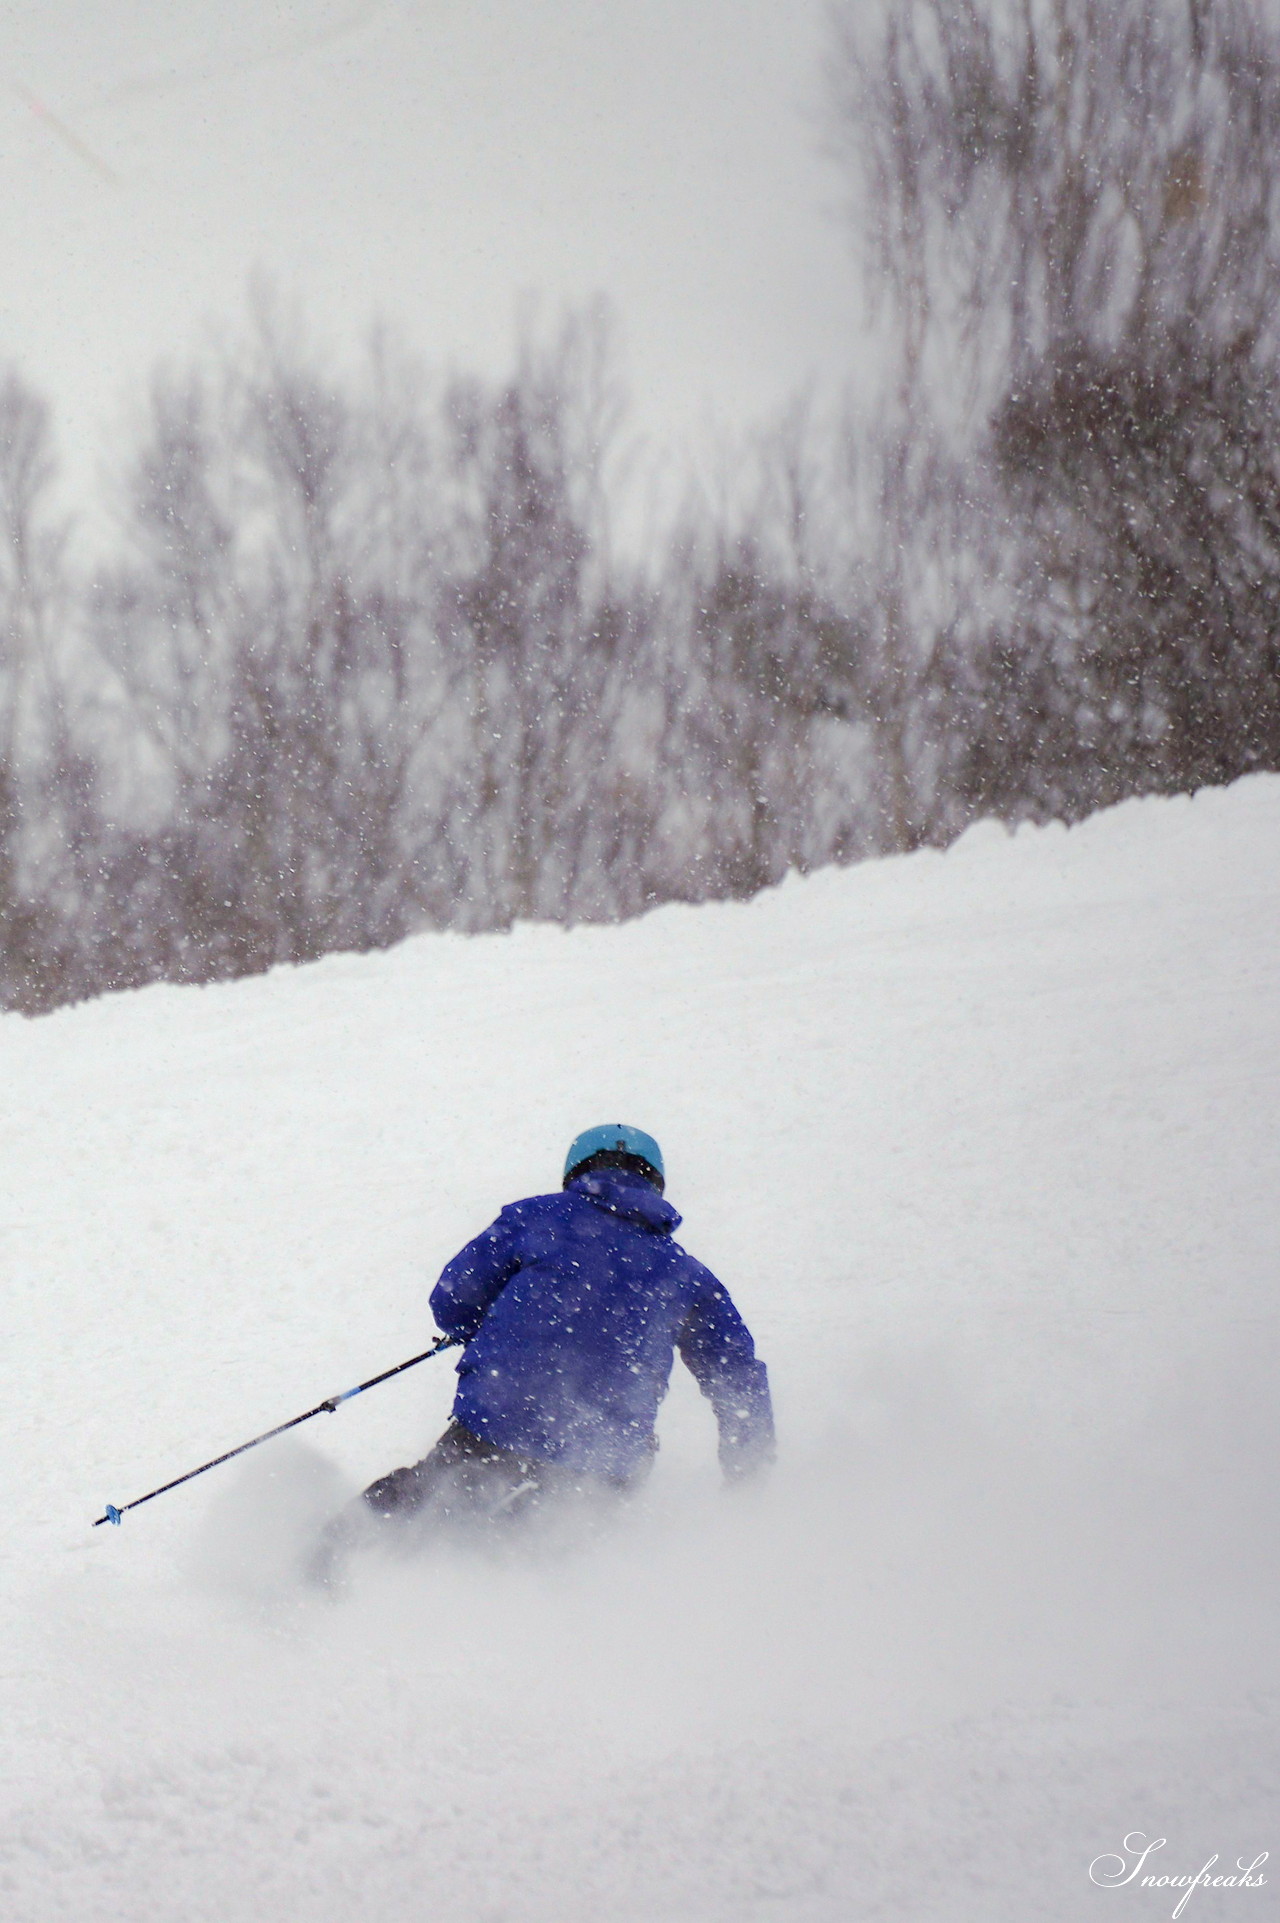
(983, 1144)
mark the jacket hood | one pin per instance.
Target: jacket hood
(629, 1196)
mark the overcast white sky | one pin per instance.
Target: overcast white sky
(429, 160)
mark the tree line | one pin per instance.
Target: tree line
(361, 655)
(360, 659)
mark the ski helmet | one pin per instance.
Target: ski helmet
(615, 1139)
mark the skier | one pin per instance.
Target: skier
(570, 1307)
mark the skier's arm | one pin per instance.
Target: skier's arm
(469, 1284)
(716, 1346)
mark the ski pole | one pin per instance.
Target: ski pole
(327, 1407)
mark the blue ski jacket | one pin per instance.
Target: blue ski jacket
(571, 1307)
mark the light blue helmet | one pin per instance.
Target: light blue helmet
(616, 1138)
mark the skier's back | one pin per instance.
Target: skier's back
(571, 1307)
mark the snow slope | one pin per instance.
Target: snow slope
(984, 1144)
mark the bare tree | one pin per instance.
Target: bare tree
(1033, 172)
(38, 769)
(530, 600)
(270, 625)
(1070, 209)
(1154, 495)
